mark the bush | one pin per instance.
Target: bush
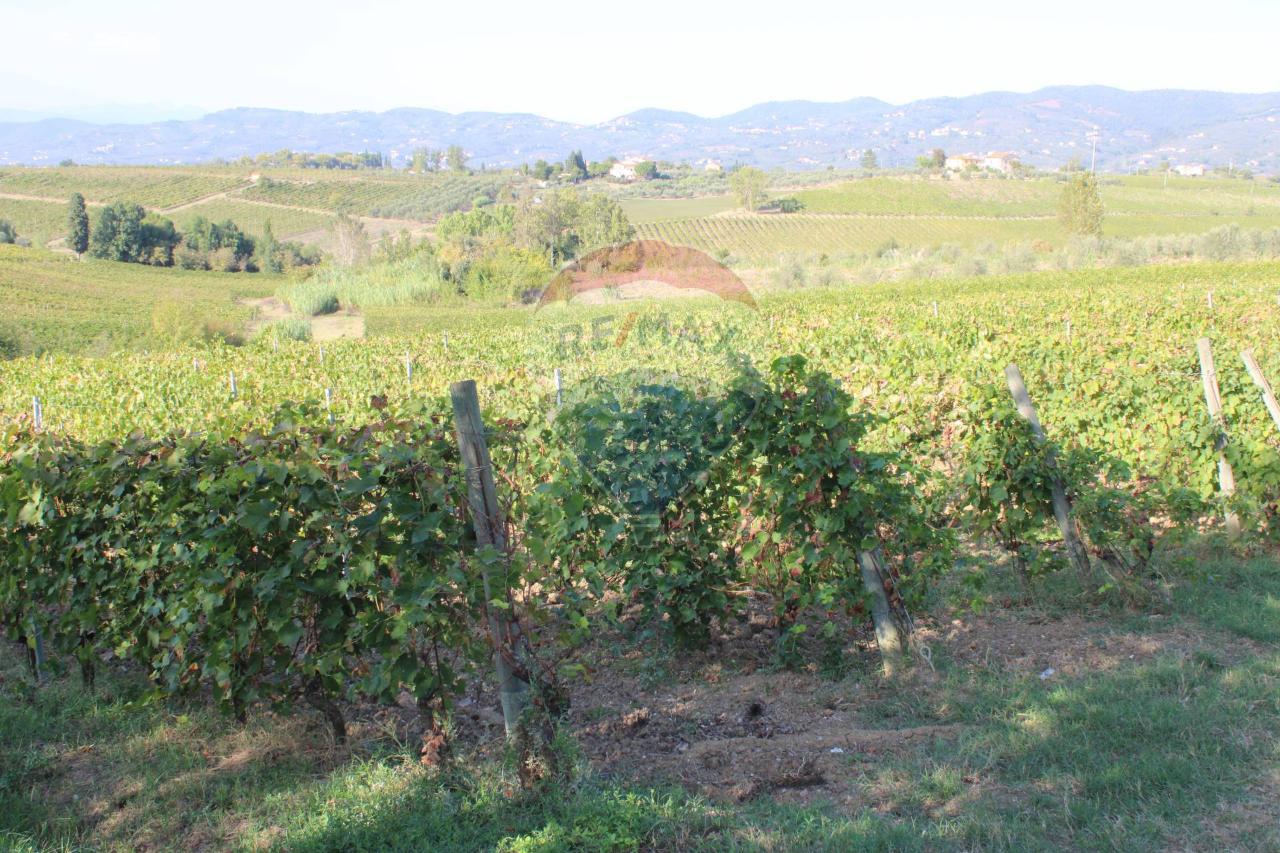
(173, 323)
(225, 260)
(188, 258)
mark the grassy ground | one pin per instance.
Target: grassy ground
(642, 211)
(1145, 194)
(1158, 730)
(150, 186)
(54, 303)
(38, 221)
(285, 222)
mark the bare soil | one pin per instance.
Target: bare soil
(726, 723)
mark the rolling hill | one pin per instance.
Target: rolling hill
(1045, 127)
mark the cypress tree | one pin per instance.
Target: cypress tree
(77, 225)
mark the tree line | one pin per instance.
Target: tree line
(511, 249)
(124, 231)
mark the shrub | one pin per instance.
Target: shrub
(188, 258)
(225, 260)
(173, 322)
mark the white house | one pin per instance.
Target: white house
(995, 161)
(960, 162)
(1190, 170)
(625, 170)
(713, 166)
(1000, 161)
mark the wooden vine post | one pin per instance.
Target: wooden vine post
(1058, 492)
(892, 625)
(1226, 476)
(1260, 379)
(486, 518)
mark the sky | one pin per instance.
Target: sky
(589, 62)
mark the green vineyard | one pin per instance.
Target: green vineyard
(763, 237)
(407, 197)
(152, 187)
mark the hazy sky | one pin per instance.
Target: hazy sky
(587, 62)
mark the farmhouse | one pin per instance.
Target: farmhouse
(1190, 170)
(995, 161)
(625, 170)
(960, 162)
(1000, 161)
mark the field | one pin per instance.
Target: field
(419, 197)
(151, 187)
(995, 197)
(287, 223)
(300, 203)
(53, 303)
(868, 215)
(762, 237)
(1123, 334)
(841, 216)
(1055, 724)
(646, 211)
(38, 221)
(246, 539)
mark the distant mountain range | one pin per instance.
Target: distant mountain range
(1045, 128)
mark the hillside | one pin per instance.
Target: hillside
(1045, 128)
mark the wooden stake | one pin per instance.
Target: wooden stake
(1268, 396)
(891, 634)
(1212, 399)
(231, 378)
(1210, 300)
(328, 403)
(559, 389)
(37, 414)
(408, 368)
(1061, 505)
(486, 518)
(935, 308)
(36, 653)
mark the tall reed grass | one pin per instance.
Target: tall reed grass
(400, 282)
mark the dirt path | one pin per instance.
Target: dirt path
(375, 224)
(347, 323)
(46, 199)
(174, 208)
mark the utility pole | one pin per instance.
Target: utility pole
(1093, 156)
